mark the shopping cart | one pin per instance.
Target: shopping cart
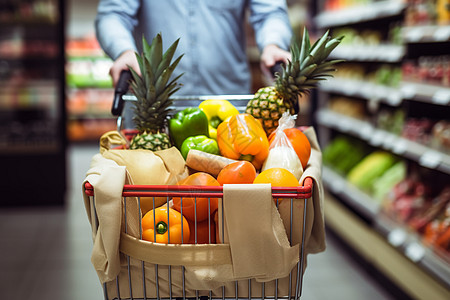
(145, 277)
(141, 279)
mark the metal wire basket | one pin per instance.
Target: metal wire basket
(140, 279)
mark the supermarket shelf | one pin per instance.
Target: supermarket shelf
(425, 156)
(363, 89)
(374, 247)
(434, 94)
(422, 92)
(357, 14)
(371, 53)
(352, 196)
(426, 34)
(408, 243)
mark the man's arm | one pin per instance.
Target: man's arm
(273, 31)
(114, 24)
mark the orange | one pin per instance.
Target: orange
(237, 172)
(196, 208)
(300, 143)
(277, 177)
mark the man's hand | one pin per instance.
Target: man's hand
(270, 56)
(126, 59)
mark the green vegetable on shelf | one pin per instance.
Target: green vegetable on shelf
(201, 143)
(370, 168)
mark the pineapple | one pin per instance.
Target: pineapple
(307, 67)
(153, 90)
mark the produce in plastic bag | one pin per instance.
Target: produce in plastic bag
(281, 151)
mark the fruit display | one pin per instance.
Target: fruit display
(308, 66)
(343, 153)
(421, 204)
(426, 12)
(383, 74)
(428, 69)
(340, 4)
(370, 168)
(348, 107)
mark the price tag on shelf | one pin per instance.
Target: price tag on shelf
(377, 138)
(415, 34)
(415, 252)
(400, 146)
(430, 159)
(394, 97)
(338, 186)
(408, 90)
(366, 131)
(442, 33)
(441, 97)
(389, 141)
(345, 124)
(397, 237)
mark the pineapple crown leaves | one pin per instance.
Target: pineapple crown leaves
(152, 88)
(307, 66)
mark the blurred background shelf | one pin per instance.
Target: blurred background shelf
(366, 11)
(32, 102)
(383, 125)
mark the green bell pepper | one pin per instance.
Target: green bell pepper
(201, 143)
(191, 121)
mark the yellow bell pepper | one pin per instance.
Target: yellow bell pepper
(242, 137)
(217, 111)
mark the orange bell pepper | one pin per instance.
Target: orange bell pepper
(165, 225)
(242, 137)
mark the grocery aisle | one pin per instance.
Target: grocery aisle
(45, 253)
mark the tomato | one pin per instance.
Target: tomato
(300, 143)
(196, 208)
(237, 172)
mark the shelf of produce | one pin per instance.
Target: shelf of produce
(426, 34)
(371, 53)
(352, 196)
(425, 156)
(407, 242)
(435, 94)
(410, 244)
(373, 246)
(363, 89)
(357, 14)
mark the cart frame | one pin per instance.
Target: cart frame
(301, 193)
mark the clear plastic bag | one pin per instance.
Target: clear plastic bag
(281, 151)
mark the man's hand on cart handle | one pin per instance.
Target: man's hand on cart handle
(120, 90)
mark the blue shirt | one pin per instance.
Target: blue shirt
(212, 36)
